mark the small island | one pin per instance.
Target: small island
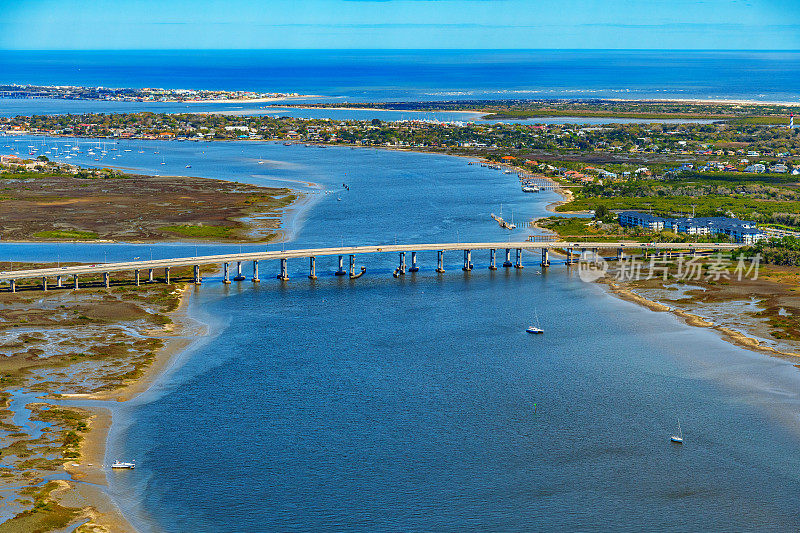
(47, 201)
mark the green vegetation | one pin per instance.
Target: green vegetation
(46, 514)
(72, 235)
(765, 198)
(784, 251)
(738, 178)
(533, 113)
(197, 231)
(585, 229)
(763, 121)
(671, 205)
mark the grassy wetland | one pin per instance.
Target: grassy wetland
(94, 343)
(63, 203)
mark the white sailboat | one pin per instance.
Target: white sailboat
(536, 330)
(679, 437)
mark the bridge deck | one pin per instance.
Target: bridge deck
(347, 250)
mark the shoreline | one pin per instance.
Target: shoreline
(734, 337)
(247, 100)
(566, 197)
(480, 114)
(89, 472)
(727, 101)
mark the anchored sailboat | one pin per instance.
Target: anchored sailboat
(536, 330)
(679, 437)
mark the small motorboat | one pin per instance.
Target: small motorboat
(123, 465)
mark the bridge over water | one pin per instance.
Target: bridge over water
(570, 249)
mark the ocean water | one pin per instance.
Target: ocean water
(420, 404)
(380, 75)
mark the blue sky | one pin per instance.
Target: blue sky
(176, 24)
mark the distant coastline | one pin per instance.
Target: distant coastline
(131, 94)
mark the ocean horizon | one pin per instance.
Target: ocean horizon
(392, 74)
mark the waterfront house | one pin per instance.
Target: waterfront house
(758, 168)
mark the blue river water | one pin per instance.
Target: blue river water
(420, 404)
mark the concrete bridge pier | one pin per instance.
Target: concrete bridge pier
(58, 282)
(76, 282)
(284, 275)
(312, 267)
(226, 273)
(518, 262)
(352, 265)
(507, 262)
(44, 283)
(545, 258)
(106, 280)
(467, 261)
(239, 276)
(13, 284)
(256, 279)
(150, 275)
(492, 259)
(596, 255)
(414, 267)
(569, 256)
(166, 275)
(341, 271)
(440, 262)
(136, 276)
(402, 268)
(620, 254)
(197, 280)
